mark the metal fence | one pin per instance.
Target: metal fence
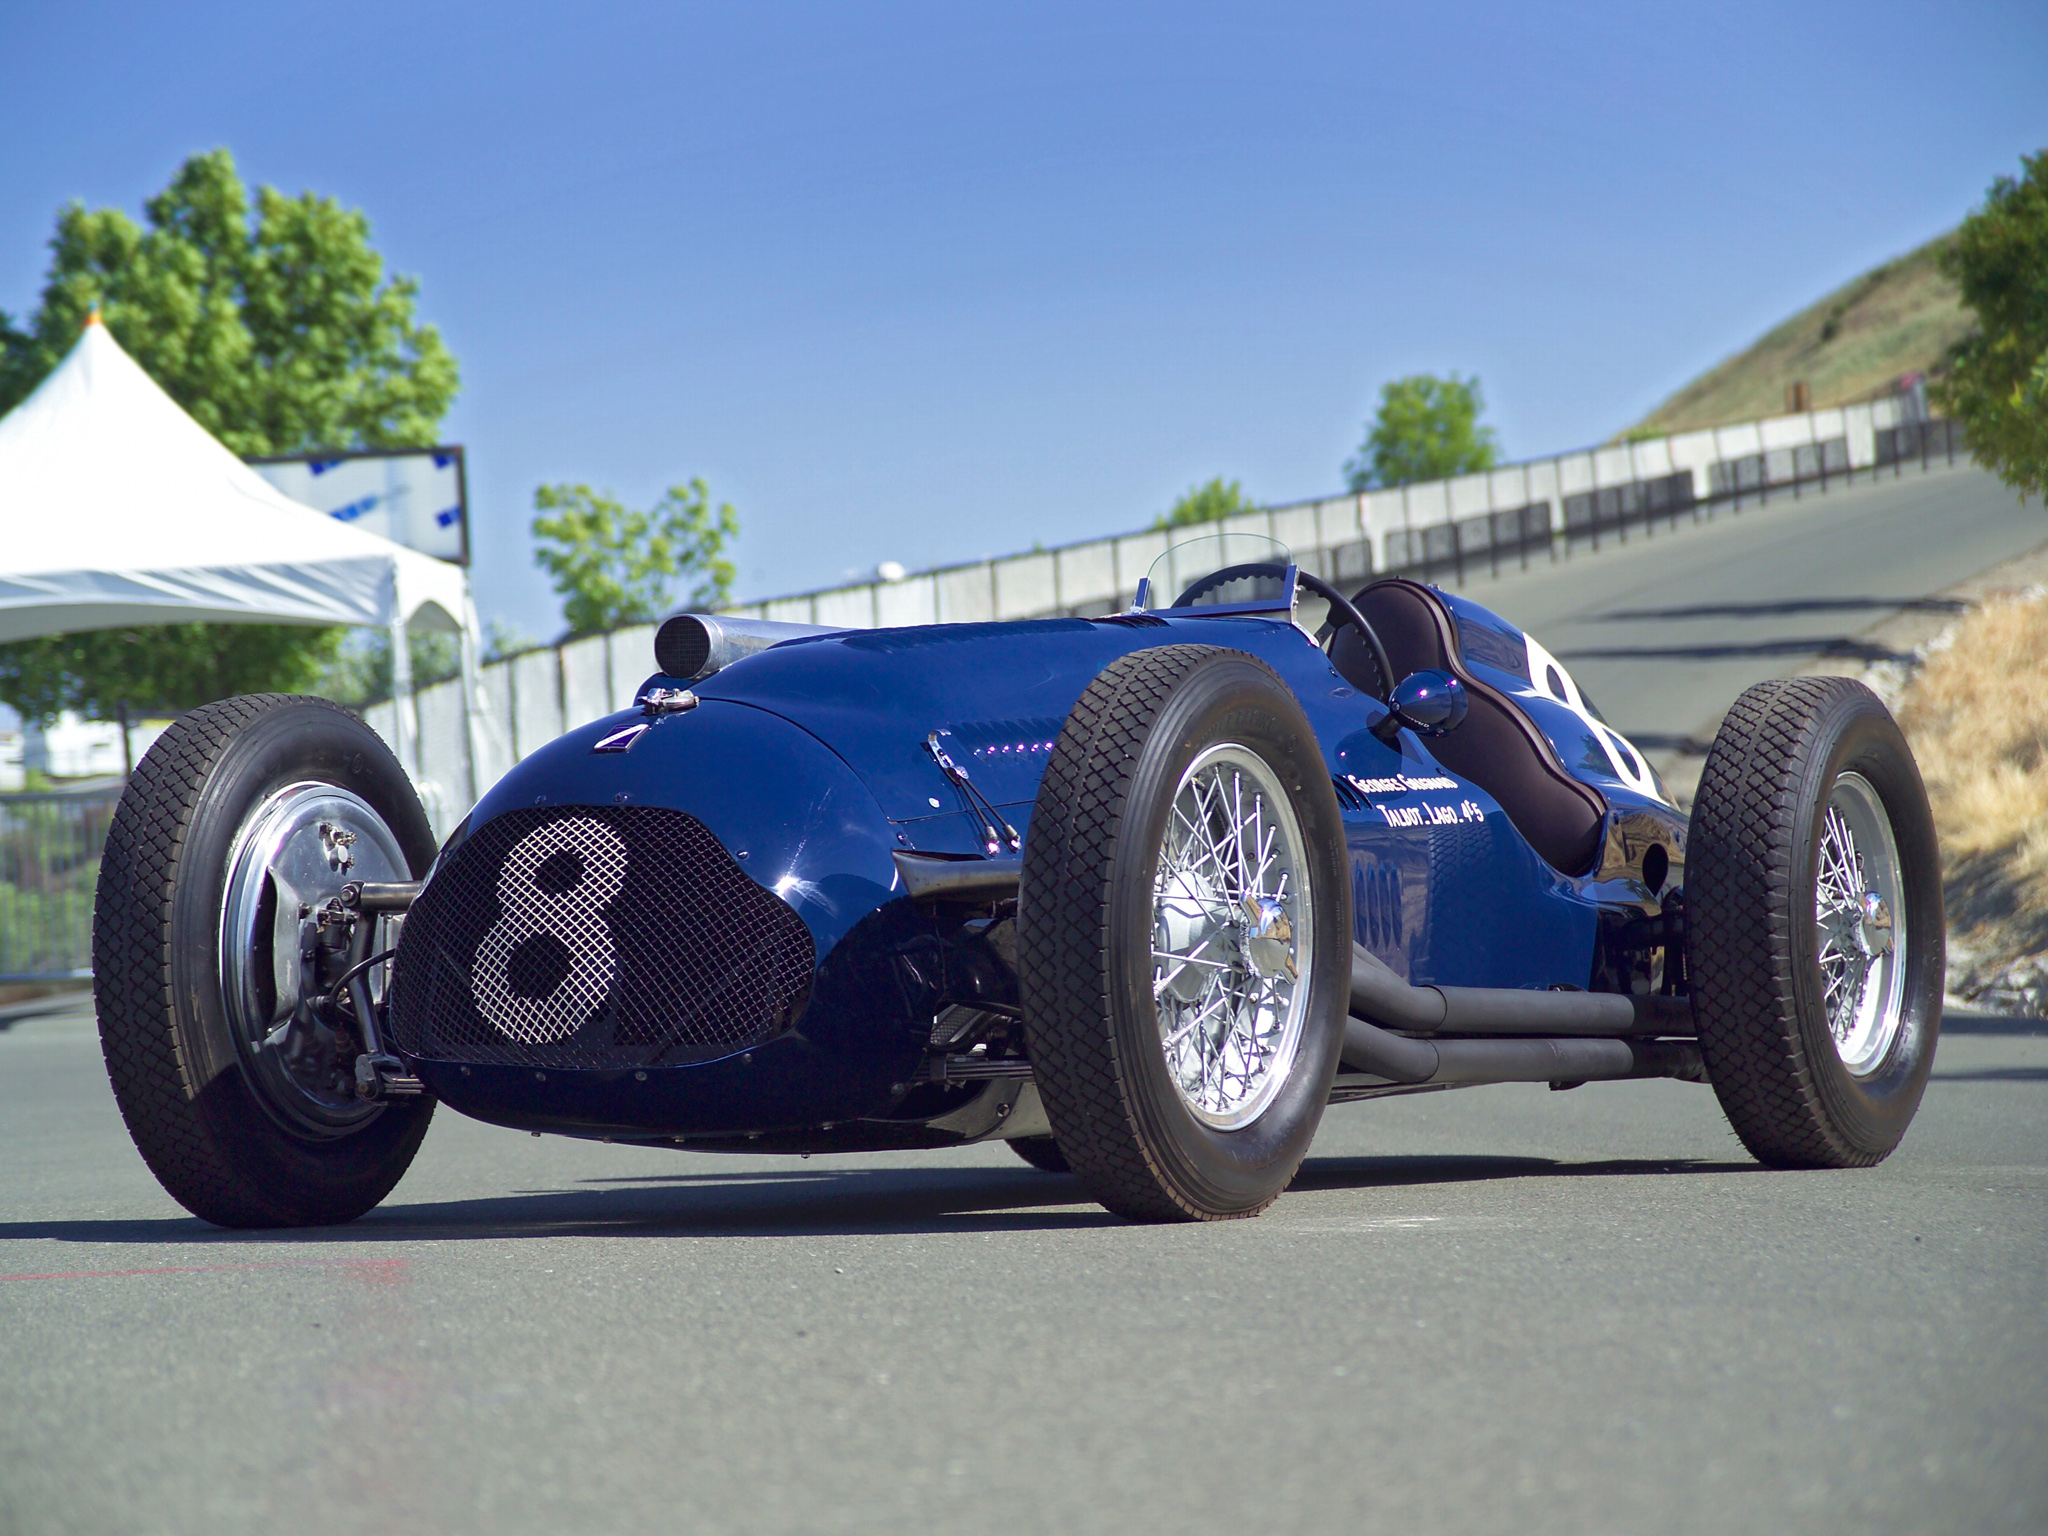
(1591, 519)
(49, 863)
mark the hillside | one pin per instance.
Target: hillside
(1896, 318)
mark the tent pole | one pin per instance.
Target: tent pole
(473, 692)
(402, 722)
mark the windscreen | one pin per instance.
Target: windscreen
(1220, 570)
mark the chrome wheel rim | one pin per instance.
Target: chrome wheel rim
(1860, 922)
(1231, 937)
(295, 852)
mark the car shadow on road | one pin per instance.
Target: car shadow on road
(1956, 1021)
(1835, 647)
(1792, 605)
(1324, 1173)
(804, 1203)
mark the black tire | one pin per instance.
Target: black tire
(1084, 927)
(1753, 944)
(177, 1071)
(1041, 1152)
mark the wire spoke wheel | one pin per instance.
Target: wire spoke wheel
(1860, 924)
(1815, 933)
(1230, 937)
(1183, 929)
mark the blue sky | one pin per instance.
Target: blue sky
(929, 282)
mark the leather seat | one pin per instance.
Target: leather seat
(1497, 747)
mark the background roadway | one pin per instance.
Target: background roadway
(1664, 632)
(1477, 1311)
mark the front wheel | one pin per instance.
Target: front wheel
(1816, 942)
(1184, 932)
(1041, 1152)
(211, 963)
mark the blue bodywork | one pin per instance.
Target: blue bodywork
(808, 763)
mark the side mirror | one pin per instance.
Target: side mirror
(1429, 703)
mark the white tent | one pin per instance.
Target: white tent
(117, 508)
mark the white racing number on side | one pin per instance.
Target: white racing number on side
(1548, 675)
(552, 886)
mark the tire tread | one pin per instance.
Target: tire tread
(1063, 935)
(1741, 902)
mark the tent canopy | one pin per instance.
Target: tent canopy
(117, 508)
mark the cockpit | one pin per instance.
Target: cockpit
(1399, 642)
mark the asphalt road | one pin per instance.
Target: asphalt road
(1500, 1309)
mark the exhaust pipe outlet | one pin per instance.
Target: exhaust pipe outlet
(695, 645)
(1370, 1049)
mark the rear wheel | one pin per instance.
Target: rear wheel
(241, 822)
(1816, 936)
(1184, 935)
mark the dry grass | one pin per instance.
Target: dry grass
(1977, 716)
(1898, 318)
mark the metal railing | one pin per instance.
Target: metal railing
(49, 863)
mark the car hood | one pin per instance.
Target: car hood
(998, 694)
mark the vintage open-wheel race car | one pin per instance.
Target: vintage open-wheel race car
(1139, 894)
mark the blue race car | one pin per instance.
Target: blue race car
(1138, 894)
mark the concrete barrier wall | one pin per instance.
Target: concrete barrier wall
(1101, 574)
(1542, 508)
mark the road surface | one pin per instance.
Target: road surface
(1499, 1309)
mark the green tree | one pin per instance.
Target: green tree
(1426, 429)
(612, 566)
(278, 334)
(1997, 385)
(1209, 502)
(360, 671)
(111, 674)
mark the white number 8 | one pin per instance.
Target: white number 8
(575, 917)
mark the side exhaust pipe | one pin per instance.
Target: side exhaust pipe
(1564, 1037)
(1398, 1059)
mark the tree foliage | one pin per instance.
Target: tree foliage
(1210, 502)
(163, 669)
(1426, 429)
(278, 332)
(360, 672)
(613, 566)
(1998, 384)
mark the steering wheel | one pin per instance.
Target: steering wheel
(1224, 577)
(1342, 610)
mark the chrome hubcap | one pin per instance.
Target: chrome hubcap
(1860, 924)
(294, 853)
(1230, 937)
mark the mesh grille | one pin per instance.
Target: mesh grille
(595, 936)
